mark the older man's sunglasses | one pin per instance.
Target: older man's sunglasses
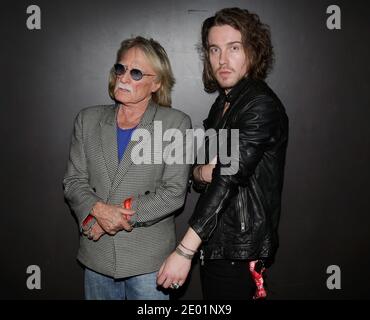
(136, 74)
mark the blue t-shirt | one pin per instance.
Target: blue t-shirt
(123, 139)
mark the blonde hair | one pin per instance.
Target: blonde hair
(159, 61)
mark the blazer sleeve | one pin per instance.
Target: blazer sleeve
(77, 190)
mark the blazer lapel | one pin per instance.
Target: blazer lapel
(109, 142)
(146, 122)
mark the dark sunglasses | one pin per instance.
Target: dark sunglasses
(136, 74)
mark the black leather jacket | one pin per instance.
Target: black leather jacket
(237, 215)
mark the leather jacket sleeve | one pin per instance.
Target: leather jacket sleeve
(258, 124)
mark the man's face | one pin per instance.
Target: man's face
(227, 56)
(129, 91)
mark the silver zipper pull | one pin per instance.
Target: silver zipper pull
(243, 226)
(190, 183)
(201, 258)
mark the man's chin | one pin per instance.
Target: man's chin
(226, 85)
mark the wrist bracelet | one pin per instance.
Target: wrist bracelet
(182, 253)
(191, 250)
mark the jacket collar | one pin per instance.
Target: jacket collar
(235, 92)
(148, 116)
(108, 134)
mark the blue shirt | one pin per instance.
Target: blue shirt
(123, 139)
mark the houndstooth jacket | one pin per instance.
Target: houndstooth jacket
(94, 174)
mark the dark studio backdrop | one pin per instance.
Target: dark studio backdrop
(321, 75)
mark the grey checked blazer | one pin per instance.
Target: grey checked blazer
(94, 174)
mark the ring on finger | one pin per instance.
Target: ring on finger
(175, 285)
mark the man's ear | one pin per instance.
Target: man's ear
(250, 58)
(156, 86)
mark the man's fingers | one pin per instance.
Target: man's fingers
(96, 232)
(127, 211)
(112, 232)
(167, 283)
(98, 236)
(126, 226)
(159, 274)
(161, 277)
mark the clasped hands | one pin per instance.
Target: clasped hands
(109, 219)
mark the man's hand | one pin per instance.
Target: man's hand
(95, 232)
(206, 172)
(112, 218)
(203, 173)
(174, 269)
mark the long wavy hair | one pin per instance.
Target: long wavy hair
(256, 40)
(159, 61)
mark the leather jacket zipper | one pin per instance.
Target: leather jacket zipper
(201, 257)
(241, 213)
(217, 211)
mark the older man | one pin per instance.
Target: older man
(125, 209)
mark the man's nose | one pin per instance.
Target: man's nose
(223, 57)
(125, 78)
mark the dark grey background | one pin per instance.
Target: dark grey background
(321, 76)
